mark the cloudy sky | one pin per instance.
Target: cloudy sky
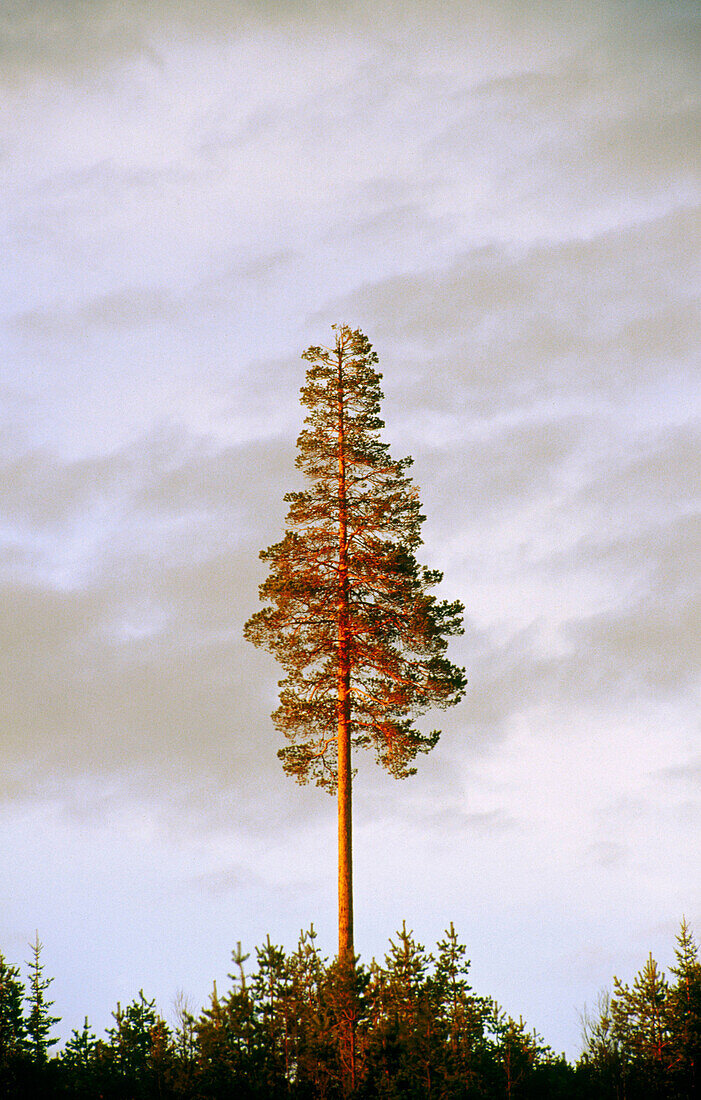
(504, 197)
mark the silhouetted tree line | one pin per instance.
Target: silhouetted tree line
(300, 1026)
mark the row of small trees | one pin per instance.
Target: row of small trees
(417, 1030)
(645, 1039)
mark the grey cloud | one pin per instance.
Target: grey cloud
(169, 496)
(34, 488)
(689, 773)
(598, 79)
(645, 647)
(226, 881)
(135, 306)
(607, 853)
(176, 473)
(49, 36)
(504, 680)
(637, 510)
(166, 473)
(98, 187)
(664, 554)
(627, 812)
(552, 322)
(649, 642)
(518, 461)
(644, 536)
(611, 665)
(124, 309)
(239, 878)
(650, 155)
(662, 471)
(265, 267)
(488, 823)
(397, 221)
(143, 665)
(185, 697)
(656, 645)
(664, 557)
(47, 32)
(586, 122)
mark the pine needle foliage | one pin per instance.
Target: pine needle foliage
(350, 616)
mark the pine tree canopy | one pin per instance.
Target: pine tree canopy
(347, 601)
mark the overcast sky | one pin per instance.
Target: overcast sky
(505, 198)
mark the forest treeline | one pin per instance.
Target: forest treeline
(297, 1025)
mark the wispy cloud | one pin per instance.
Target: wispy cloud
(126, 309)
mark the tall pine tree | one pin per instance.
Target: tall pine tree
(350, 616)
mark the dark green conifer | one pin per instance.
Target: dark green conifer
(271, 989)
(641, 1028)
(317, 1061)
(14, 1043)
(519, 1056)
(463, 1015)
(39, 1019)
(233, 1056)
(83, 1068)
(684, 1015)
(140, 1050)
(406, 1055)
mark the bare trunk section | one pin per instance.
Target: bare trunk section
(345, 820)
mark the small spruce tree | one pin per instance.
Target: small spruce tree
(39, 1019)
(82, 1067)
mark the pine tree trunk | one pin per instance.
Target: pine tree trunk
(345, 854)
